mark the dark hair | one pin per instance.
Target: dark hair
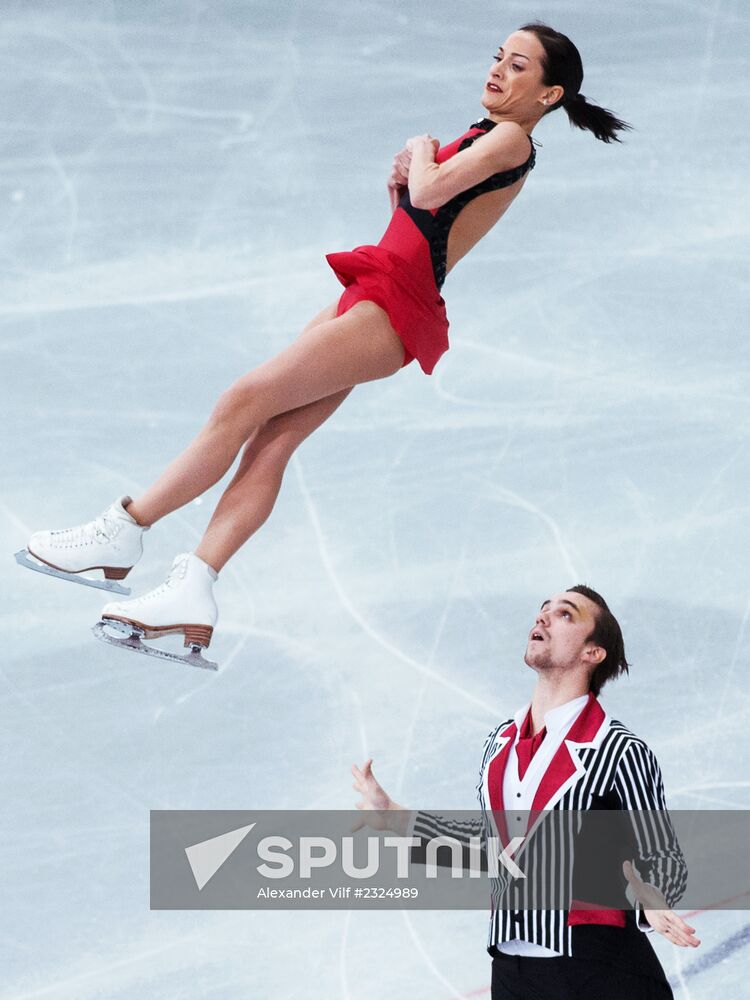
(562, 66)
(607, 634)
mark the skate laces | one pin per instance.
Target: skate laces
(102, 528)
(178, 570)
(175, 575)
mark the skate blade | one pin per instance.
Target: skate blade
(23, 558)
(130, 638)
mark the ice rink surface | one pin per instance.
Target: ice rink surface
(172, 175)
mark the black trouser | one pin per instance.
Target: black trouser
(517, 978)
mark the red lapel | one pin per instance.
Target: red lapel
(562, 766)
(496, 771)
(495, 775)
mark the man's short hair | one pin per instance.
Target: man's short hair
(607, 634)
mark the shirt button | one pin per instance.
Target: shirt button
(518, 795)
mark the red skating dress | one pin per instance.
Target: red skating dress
(404, 273)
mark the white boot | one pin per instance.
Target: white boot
(112, 542)
(184, 603)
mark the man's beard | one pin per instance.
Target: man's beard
(539, 659)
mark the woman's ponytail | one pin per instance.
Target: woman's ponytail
(562, 67)
(592, 118)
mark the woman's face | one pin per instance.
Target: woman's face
(514, 84)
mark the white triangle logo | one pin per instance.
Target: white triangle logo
(207, 857)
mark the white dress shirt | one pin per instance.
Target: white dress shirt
(519, 793)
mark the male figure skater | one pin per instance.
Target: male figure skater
(563, 752)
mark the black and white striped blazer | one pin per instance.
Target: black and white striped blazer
(599, 761)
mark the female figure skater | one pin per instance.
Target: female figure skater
(443, 201)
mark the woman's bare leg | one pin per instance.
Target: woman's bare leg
(334, 355)
(250, 497)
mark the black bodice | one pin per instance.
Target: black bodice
(435, 226)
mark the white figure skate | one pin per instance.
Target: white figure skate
(184, 604)
(113, 543)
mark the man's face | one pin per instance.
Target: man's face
(558, 640)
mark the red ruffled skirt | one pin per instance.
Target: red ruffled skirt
(407, 293)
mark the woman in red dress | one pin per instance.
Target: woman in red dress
(443, 199)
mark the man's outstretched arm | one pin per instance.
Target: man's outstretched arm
(385, 814)
(640, 787)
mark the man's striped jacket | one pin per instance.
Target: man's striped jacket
(599, 764)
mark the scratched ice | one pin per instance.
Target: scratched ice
(172, 173)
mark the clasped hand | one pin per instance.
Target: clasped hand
(399, 176)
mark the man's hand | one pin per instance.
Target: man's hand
(666, 922)
(383, 812)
